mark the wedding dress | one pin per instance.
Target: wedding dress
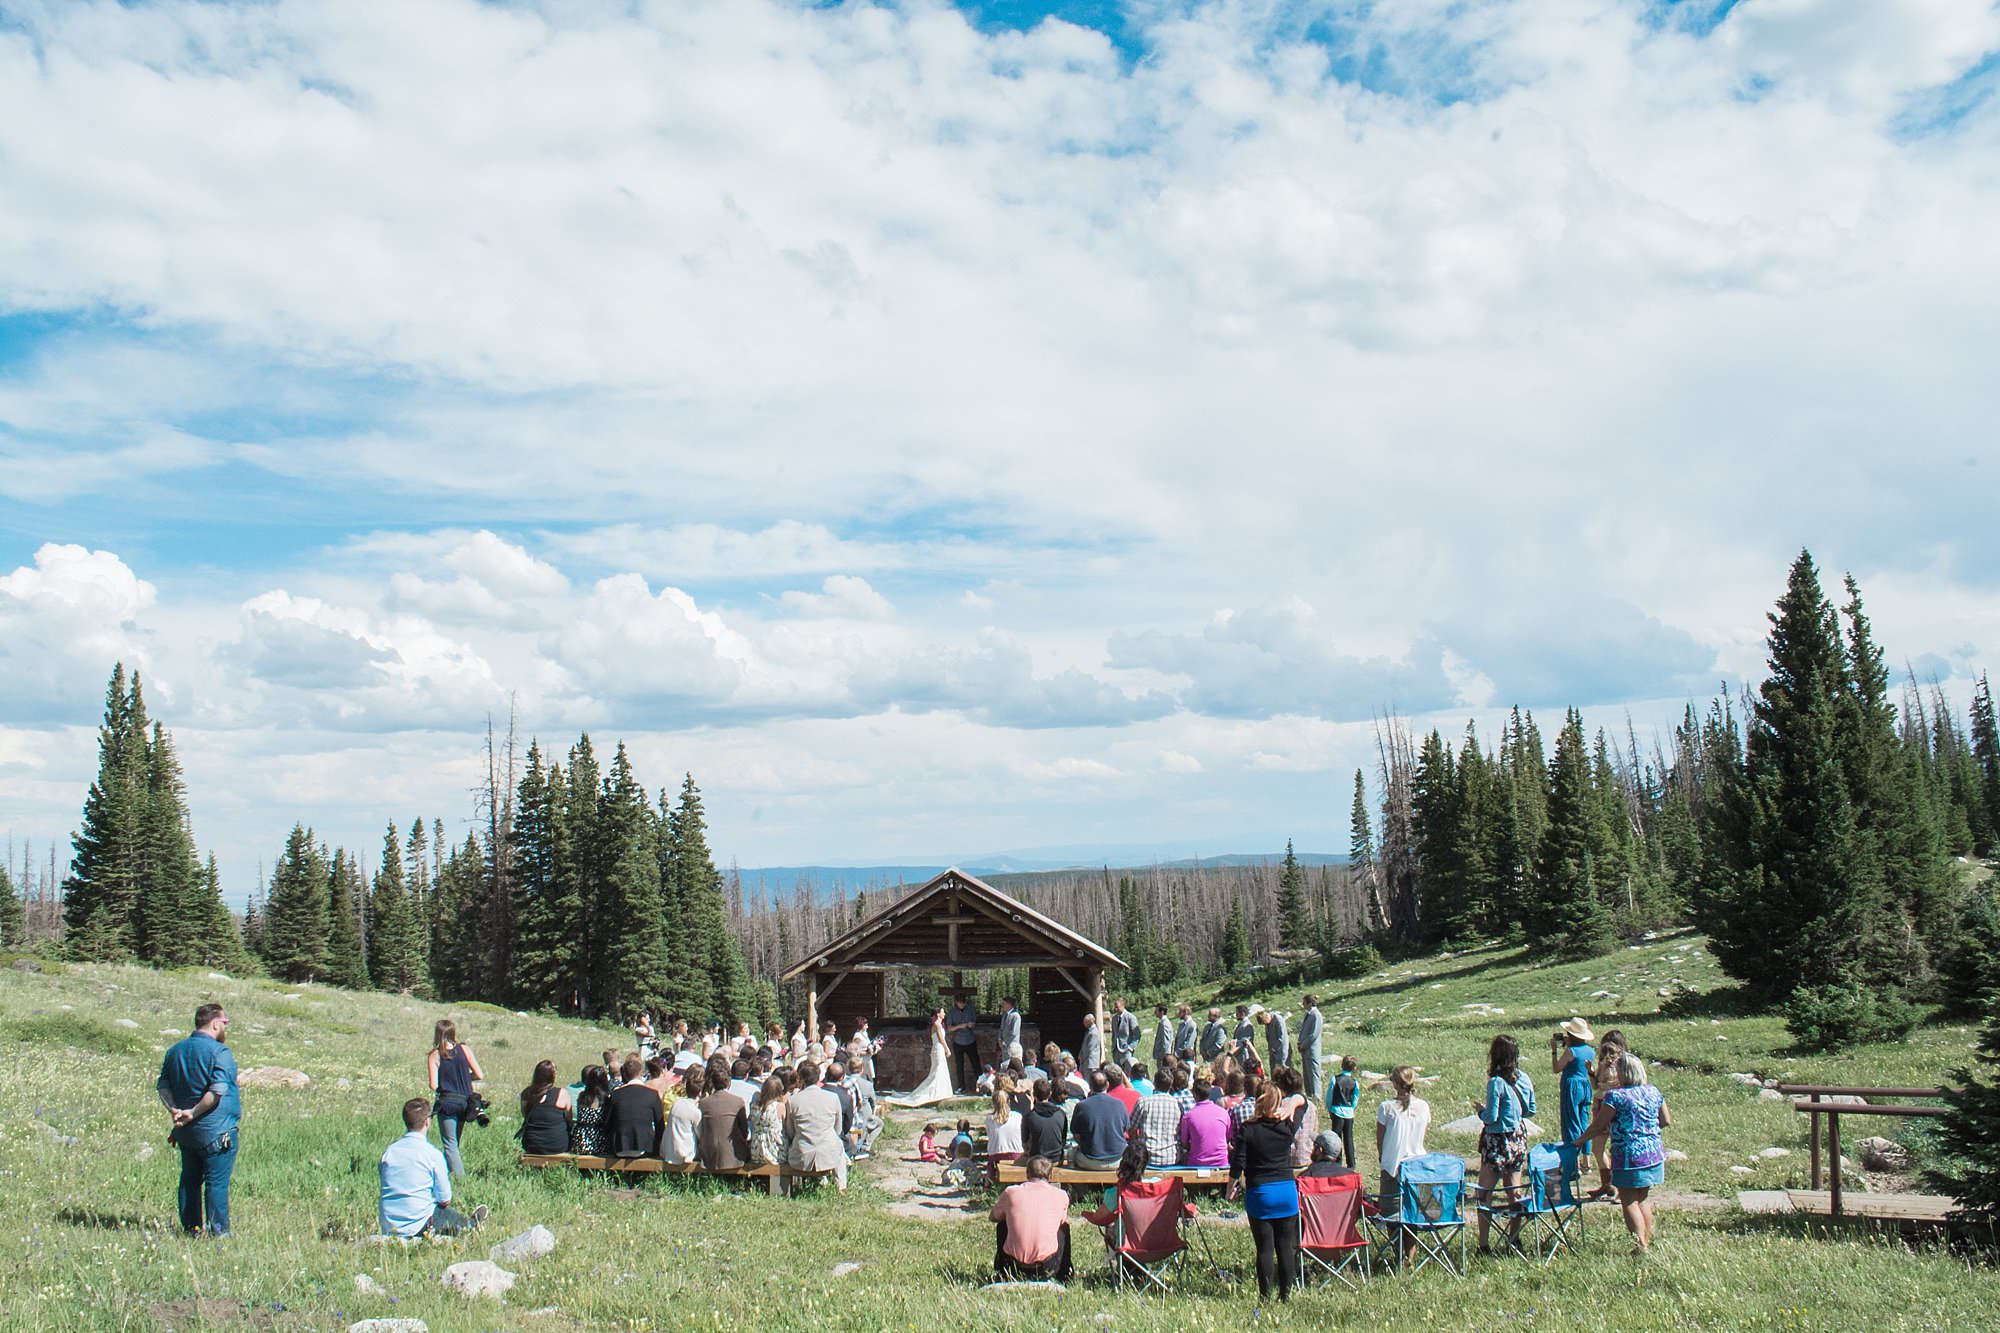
(936, 1086)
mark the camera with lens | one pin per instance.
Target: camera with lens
(476, 1111)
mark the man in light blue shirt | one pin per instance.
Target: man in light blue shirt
(197, 1085)
(416, 1187)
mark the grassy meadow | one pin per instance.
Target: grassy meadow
(87, 1217)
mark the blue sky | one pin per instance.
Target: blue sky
(949, 430)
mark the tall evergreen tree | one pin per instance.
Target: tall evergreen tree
(1235, 940)
(1294, 927)
(548, 927)
(1361, 856)
(101, 895)
(295, 921)
(1435, 811)
(1970, 1134)
(459, 966)
(637, 972)
(1564, 904)
(13, 922)
(1986, 754)
(395, 952)
(219, 943)
(169, 869)
(581, 858)
(345, 965)
(698, 892)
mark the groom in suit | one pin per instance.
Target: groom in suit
(813, 1140)
(1010, 1032)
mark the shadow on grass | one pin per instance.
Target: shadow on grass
(104, 1219)
(1511, 957)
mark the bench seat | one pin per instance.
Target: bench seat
(776, 1175)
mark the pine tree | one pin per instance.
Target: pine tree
(582, 894)
(1361, 856)
(169, 870)
(219, 944)
(1435, 815)
(637, 972)
(1235, 941)
(13, 923)
(1294, 927)
(295, 921)
(1986, 755)
(345, 965)
(417, 883)
(458, 966)
(547, 937)
(697, 892)
(253, 927)
(1970, 1134)
(1563, 904)
(395, 954)
(1969, 969)
(101, 895)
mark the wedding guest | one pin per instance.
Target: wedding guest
(1157, 1120)
(1031, 1228)
(586, 1137)
(1097, 1127)
(1603, 1079)
(1341, 1096)
(767, 1124)
(1045, 1128)
(544, 1113)
(722, 1137)
(452, 1068)
(813, 1136)
(927, 1145)
(1632, 1113)
(682, 1134)
(1003, 1133)
(634, 1124)
(416, 1188)
(1204, 1130)
(1400, 1123)
(1270, 1193)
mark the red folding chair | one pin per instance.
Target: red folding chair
(1331, 1245)
(1150, 1245)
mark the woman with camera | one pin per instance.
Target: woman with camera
(453, 1067)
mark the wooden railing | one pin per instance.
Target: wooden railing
(1832, 1111)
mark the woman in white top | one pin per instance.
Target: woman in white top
(1003, 1132)
(1399, 1132)
(684, 1116)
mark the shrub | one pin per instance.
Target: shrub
(1970, 1135)
(1832, 1018)
(1352, 964)
(1969, 971)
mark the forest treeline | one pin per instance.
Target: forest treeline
(1813, 827)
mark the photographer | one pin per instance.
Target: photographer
(453, 1067)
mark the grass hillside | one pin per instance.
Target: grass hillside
(89, 1225)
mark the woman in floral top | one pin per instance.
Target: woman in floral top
(1634, 1112)
(767, 1124)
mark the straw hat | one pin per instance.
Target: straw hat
(1580, 1029)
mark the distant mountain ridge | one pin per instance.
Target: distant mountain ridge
(764, 880)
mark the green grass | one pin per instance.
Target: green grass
(90, 1243)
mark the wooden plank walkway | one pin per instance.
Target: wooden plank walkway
(1881, 1207)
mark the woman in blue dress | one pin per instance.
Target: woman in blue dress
(1571, 1057)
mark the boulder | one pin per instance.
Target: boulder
(1880, 1154)
(389, 1326)
(535, 1241)
(272, 1076)
(1676, 1155)
(365, 1285)
(27, 964)
(844, 1268)
(123, 1023)
(1770, 1153)
(475, 1278)
(1742, 1170)
(1770, 1095)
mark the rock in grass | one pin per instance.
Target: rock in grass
(1676, 1155)
(1770, 1153)
(389, 1326)
(1742, 1170)
(1056, 1287)
(365, 1285)
(476, 1277)
(843, 1269)
(272, 1076)
(1880, 1154)
(27, 964)
(123, 1023)
(536, 1240)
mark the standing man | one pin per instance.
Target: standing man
(1124, 1036)
(1091, 1056)
(961, 1025)
(1163, 1037)
(1278, 1040)
(1213, 1037)
(197, 1085)
(1309, 1057)
(867, 1116)
(1244, 1041)
(1184, 1036)
(416, 1187)
(1010, 1032)
(813, 1140)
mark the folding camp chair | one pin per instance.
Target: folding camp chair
(1330, 1241)
(1149, 1242)
(1552, 1206)
(1505, 1207)
(1428, 1225)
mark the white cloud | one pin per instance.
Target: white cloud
(842, 597)
(63, 621)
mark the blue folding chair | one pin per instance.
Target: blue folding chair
(1552, 1206)
(1428, 1225)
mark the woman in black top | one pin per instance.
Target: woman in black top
(452, 1067)
(1045, 1129)
(1270, 1192)
(587, 1136)
(545, 1113)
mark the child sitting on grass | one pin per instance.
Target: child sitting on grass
(927, 1147)
(961, 1172)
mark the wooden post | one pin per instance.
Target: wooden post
(812, 1006)
(1097, 1010)
(1814, 1117)
(1833, 1146)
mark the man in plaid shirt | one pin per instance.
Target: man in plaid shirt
(1158, 1122)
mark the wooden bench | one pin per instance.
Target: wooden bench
(1191, 1177)
(775, 1175)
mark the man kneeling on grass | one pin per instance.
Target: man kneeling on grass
(415, 1184)
(1031, 1225)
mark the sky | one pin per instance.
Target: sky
(952, 430)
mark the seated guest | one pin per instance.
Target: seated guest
(927, 1145)
(1204, 1132)
(683, 1123)
(544, 1113)
(1031, 1228)
(1158, 1121)
(985, 1084)
(1045, 1128)
(722, 1139)
(615, 1066)
(1003, 1132)
(961, 1139)
(1075, 1078)
(660, 1078)
(415, 1184)
(634, 1122)
(1097, 1127)
(1141, 1083)
(1120, 1087)
(1300, 1110)
(742, 1084)
(833, 1077)
(813, 1139)
(867, 1111)
(586, 1137)
(1327, 1155)
(767, 1124)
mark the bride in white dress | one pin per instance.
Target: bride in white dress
(936, 1086)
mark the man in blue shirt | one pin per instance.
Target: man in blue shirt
(1097, 1127)
(416, 1186)
(962, 1026)
(197, 1085)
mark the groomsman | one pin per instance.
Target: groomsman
(1010, 1032)
(1244, 1042)
(1163, 1037)
(1309, 1057)
(1091, 1053)
(1279, 1041)
(1214, 1037)
(1184, 1036)
(1124, 1036)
